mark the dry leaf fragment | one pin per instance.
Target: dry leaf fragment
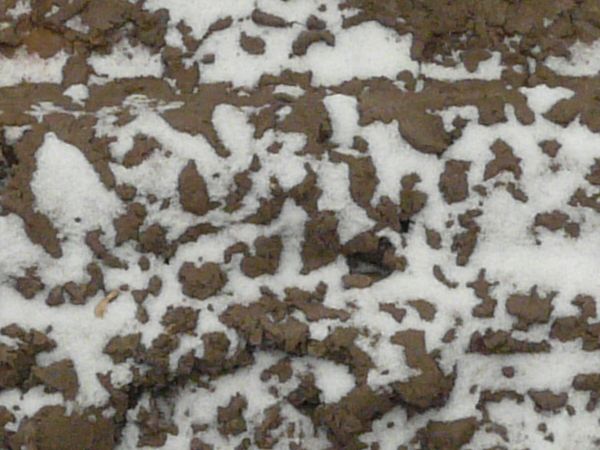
(101, 307)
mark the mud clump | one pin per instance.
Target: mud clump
(454, 183)
(143, 148)
(17, 196)
(352, 416)
(530, 308)
(357, 281)
(231, 418)
(180, 319)
(119, 348)
(589, 382)
(306, 194)
(29, 284)
(489, 396)
(8, 159)
(78, 293)
(267, 20)
(481, 286)
(94, 242)
(321, 244)
(201, 282)
(412, 200)
(243, 184)
(501, 342)
(581, 198)
(306, 397)
(340, 346)
(504, 161)
(422, 130)
(51, 428)
(370, 259)
(269, 208)
(425, 309)
(199, 444)
(546, 400)
(593, 177)
(463, 243)
(59, 376)
(432, 387)
(193, 192)
(569, 328)
(186, 78)
(127, 226)
(6, 417)
(307, 38)
(439, 275)
(272, 420)
(281, 369)
(265, 261)
(447, 435)
(216, 360)
(557, 220)
(508, 371)
(155, 426)
(154, 240)
(252, 45)
(397, 314)
(18, 360)
(433, 238)
(550, 147)
(314, 23)
(311, 304)
(363, 177)
(266, 324)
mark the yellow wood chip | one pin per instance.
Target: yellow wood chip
(101, 307)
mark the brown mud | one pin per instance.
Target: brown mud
(454, 33)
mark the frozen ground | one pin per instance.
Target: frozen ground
(299, 225)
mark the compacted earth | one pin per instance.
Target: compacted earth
(299, 224)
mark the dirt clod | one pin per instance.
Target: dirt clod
(59, 376)
(321, 241)
(530, 308)
(231, 417)
(51, 428)
(266, 258)
(454, 183)
(253, 45)
(451, 435)
(193, 192)
(201, 282)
